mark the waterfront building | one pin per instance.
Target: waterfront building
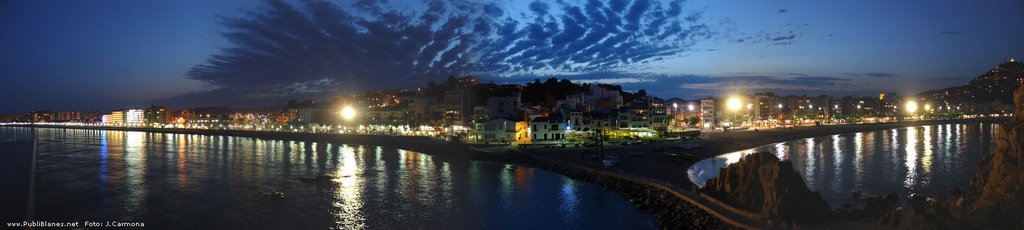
(709, 113)
(458, 107)
(310, 115)
(107, 119)
(394, 115)
(69, 116)
(117, 117)
(134, 116)
(549, 128)
(423, 110)
(657, 114)
(503, 131)
(43, 116)
(158, 115)
(766, 108)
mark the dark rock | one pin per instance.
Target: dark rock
(271, 195)
(996, 195)
(760, 181)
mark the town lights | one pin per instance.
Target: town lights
(689, 107)
(348, 113)
(927, 107)
(910, 107)
(733, 104)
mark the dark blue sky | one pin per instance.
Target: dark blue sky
(108, 54)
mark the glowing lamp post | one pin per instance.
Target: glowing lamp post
(347, 113)
(910, 107)
(734, 105)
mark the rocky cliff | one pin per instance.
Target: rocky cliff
(996, 195)
(760, 182)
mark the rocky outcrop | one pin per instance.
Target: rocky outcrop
(761, 182)
(996, 196)
(921, 213)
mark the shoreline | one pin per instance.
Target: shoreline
(422, 144)
(659, 178)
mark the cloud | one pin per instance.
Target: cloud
(326, 48)
(766, 83)
(782, 11)
(783, 35)
(616, 81)
(876, 75)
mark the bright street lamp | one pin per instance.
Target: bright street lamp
(911, 107)
(348, 113)
(733, 104)
(689, 107)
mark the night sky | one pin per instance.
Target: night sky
(104, 54)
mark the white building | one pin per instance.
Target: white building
(708, 116)
(107, 119)
(551, 128)
(135, 116)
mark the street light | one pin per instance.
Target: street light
(348, 113)
(734, 104)
(911, 107)
(689, 107)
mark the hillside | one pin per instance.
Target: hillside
(997, 84)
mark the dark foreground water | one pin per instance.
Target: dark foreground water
(927, 160)
(196, 181)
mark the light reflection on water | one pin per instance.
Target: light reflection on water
(197, 181)
(928, 160)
